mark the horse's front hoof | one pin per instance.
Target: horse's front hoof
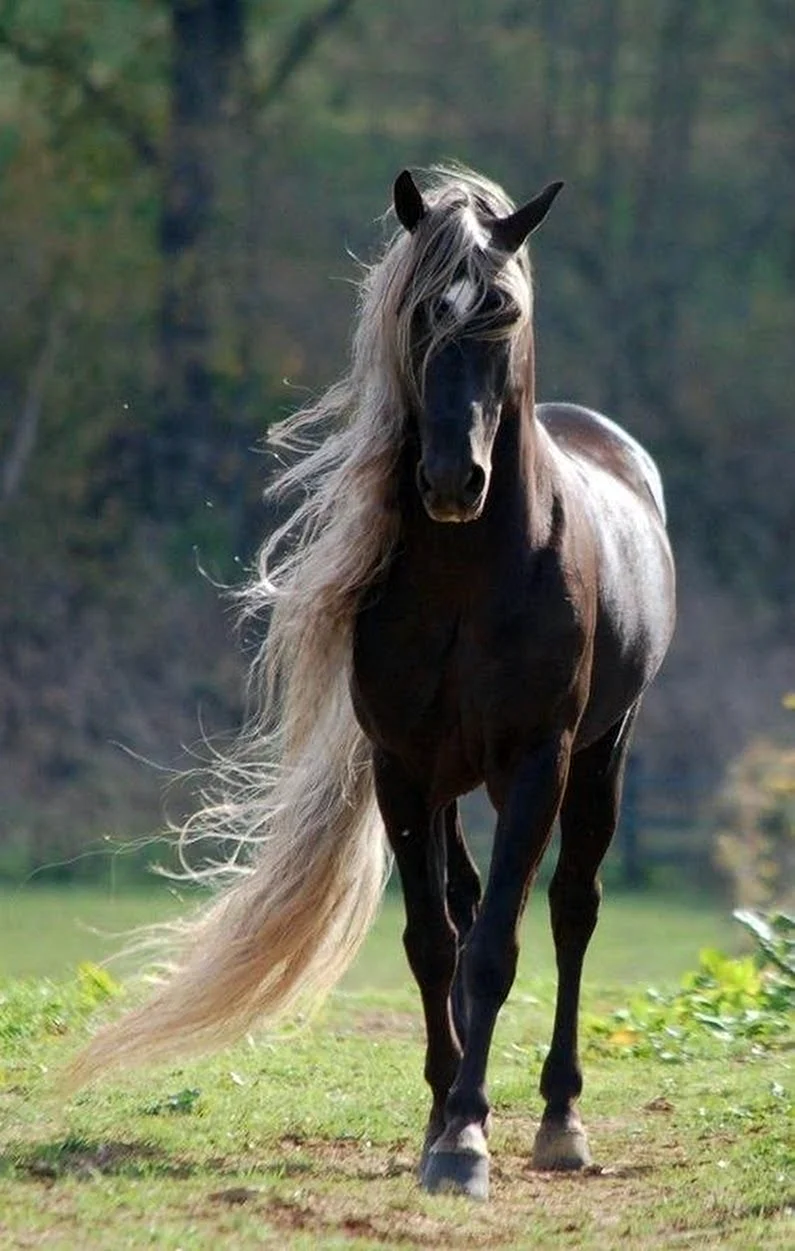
(458, 1163)
(561, 1144)
(457, 1172)
(432, 1136)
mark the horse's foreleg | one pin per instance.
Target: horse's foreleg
(463, 901)
(418, 843)
(588, 819)
(459, 1159)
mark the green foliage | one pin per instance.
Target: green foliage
(755, 826)
(95, 985)
(775, 936)
(36, 1010)
(734, 1001)
(182, 1102)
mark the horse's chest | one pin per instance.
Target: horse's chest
(441, 683)
(416, 684)
(406, 663)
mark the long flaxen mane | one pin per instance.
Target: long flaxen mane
(294, 801)
(342, 533)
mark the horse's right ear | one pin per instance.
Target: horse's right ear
(409, 204)
(509, 233)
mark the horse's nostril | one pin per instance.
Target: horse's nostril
(475, 483)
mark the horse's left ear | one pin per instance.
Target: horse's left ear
(409, 204)
(509, 233)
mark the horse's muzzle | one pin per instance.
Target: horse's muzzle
(453, 497)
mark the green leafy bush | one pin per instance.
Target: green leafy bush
(32, 1012)
(775, 936)
(755, 826)
(729, 1000)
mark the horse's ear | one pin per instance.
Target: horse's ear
(509, 233)
(409, 204)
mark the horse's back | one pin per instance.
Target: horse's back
(589, 436)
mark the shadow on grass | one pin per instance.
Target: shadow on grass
(88, 1159)
(782, 1207)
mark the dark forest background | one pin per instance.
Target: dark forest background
(180, 184)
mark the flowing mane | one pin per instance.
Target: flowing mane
(342, 532)
(293, 801)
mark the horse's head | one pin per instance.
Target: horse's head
(468, 325)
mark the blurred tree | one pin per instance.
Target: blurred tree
(177, 182)
(198, 158)
(214, 107)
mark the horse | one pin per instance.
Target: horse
(472, 588)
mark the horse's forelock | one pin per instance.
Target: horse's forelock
(346, 523)
(418, 270)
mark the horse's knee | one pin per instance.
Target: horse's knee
(490, 965)
(431, 953)
(574, 905)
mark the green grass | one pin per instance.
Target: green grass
(46, 931)
(309, 1138)
(641, 938)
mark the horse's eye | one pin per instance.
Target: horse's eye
(499, 310)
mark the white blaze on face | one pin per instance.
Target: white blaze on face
(461, 297)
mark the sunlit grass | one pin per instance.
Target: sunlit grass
(647, 937)
(309, 1138)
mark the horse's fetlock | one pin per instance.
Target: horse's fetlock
(468, 1107)
(561, 1083)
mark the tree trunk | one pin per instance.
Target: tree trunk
(207, 52)
(659, 257)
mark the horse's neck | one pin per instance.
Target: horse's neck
(520, 491)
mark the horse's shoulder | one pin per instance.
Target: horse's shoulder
(589, 436)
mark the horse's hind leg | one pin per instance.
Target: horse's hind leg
(463, 900)
(418, 843)
(588, 818)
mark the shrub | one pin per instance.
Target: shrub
(731, 1001)
(755, 826)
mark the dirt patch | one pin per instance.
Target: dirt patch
(330, 1215)
(234, 1196)
(348, 1157)
(368, 1192)
(383, 1023)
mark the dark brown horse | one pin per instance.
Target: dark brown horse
(480, 590)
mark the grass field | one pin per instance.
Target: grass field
(310, 1138)
(641, 938)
